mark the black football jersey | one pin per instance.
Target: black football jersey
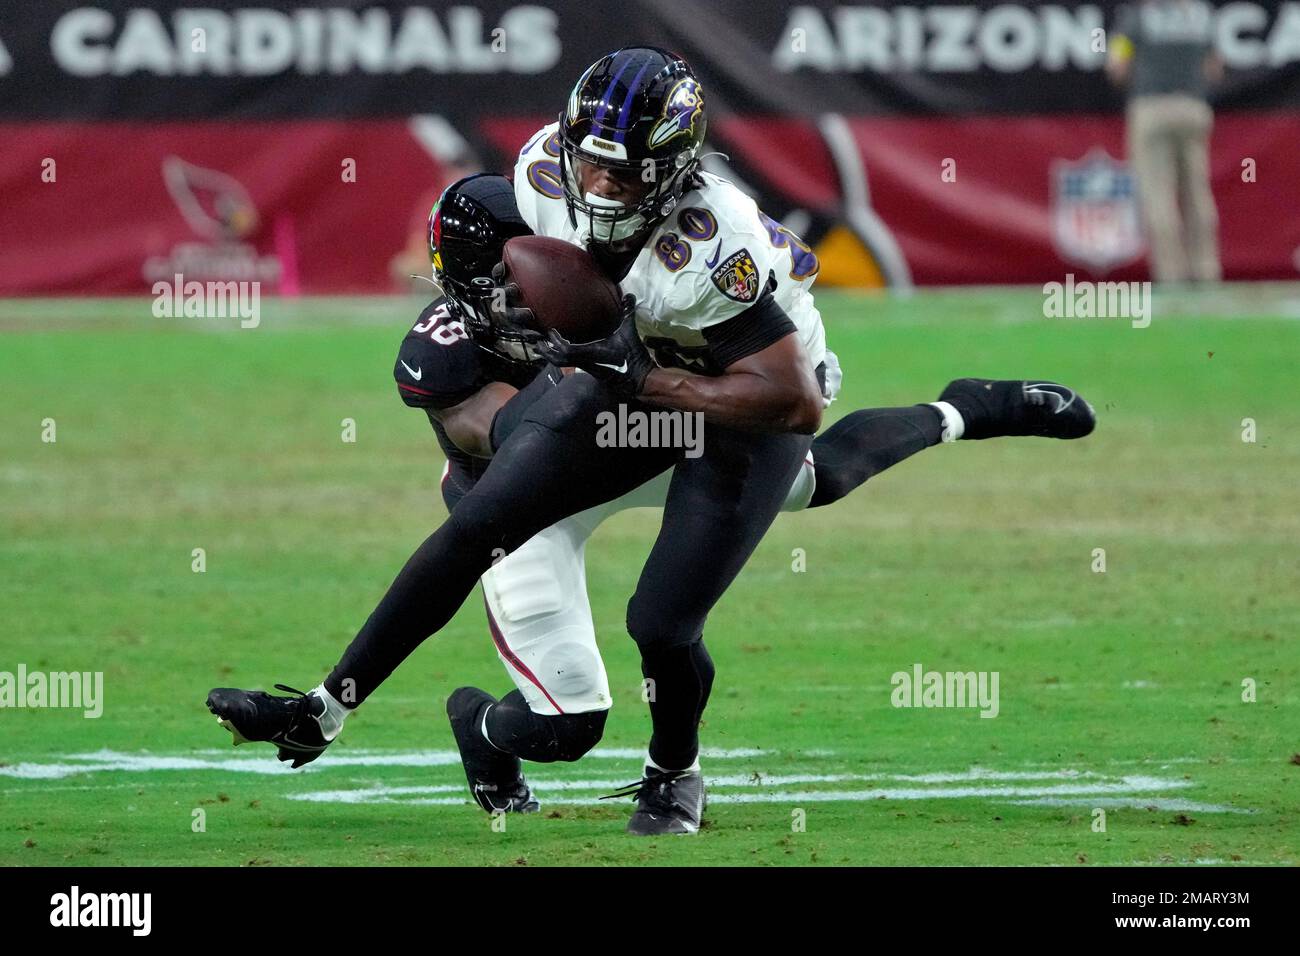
(439, 367)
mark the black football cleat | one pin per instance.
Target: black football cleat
(997, 409)
(667, 802)
(291, 723)
(496, 778)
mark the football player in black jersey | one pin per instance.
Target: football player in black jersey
(475, 372)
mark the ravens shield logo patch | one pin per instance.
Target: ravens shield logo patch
(737, 277)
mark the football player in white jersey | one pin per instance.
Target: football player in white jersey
(723, 344)
(707, 262)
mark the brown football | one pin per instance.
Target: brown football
(563, 286)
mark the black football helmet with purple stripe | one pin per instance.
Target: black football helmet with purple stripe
(639, 110)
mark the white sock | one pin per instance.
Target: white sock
(693, 768)
(954, 426)
(331, 722)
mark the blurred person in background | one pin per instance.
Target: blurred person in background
(1162, 53)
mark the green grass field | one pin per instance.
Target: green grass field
(1119, 691)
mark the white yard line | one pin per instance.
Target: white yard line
(1044, 786)
(546, 786)
(110, 760)
(1133, 803)
(1117, 792)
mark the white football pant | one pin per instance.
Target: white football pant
(538, 610)
(537, 604)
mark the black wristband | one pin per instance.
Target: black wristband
(509, 415)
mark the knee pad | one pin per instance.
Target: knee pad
(542, 578)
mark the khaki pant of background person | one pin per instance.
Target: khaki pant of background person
(1168, 145)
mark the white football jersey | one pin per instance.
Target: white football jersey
(707, 262)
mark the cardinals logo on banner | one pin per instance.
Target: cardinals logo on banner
(219, 209)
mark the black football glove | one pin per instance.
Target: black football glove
(506, 304)
(620, 360)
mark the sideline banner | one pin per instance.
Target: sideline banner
(907, 143)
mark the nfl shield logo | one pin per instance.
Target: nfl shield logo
(1095, 220)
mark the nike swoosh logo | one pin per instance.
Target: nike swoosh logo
(1059, 396)
(415, 373)
(717, 251)
(621, 369)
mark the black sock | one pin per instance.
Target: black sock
(866, 442)
(683, 677)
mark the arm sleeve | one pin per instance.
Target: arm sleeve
(751, 331)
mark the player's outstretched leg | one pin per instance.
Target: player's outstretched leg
(529, 486)
(864, 443)
(997, 409)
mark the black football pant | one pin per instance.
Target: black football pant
(719, 506)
